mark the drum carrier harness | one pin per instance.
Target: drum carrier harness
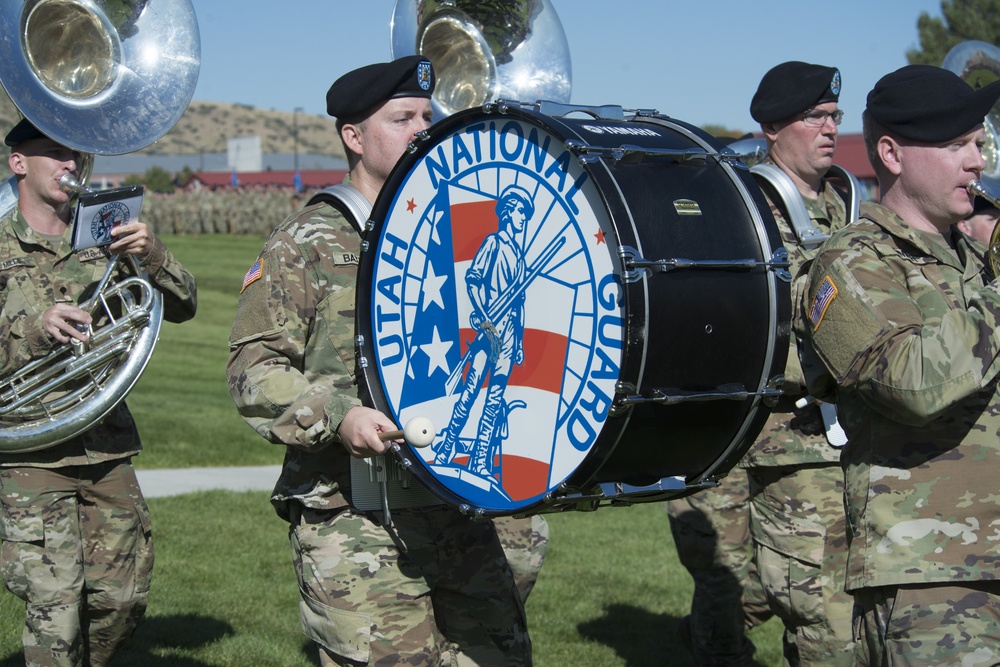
(811, 238)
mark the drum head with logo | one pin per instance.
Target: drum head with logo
(491, 302)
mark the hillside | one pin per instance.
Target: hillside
(206, 126)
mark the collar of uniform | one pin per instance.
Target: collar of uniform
(819, 208)
(23, 231)
(924, 243)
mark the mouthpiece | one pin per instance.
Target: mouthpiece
(68, 183)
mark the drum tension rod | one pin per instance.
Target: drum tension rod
(636, 266)
(586, 153)
(728, 392)
(621, 494)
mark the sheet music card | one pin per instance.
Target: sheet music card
(97, 213)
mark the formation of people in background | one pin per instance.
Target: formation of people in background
(877, 548)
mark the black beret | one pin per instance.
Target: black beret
(928, 103)
(363, 89)
(981, 205)
(793, 87)
(23, 131)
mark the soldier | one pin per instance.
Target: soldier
(77, 546)
(980, 224)
(796, 483)
(711, 530)
(430, 586)
(903, 318)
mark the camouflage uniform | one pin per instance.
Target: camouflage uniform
(525, 541)
(76, 537)
(711, 530)
(434, 588)
(796, 493)
(907, 327)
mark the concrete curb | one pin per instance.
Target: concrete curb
(160, 483)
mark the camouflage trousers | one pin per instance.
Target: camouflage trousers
(928, 625)
(433, 589)
(525, 541)
(711, 530)
(77, 549)
(799, 530)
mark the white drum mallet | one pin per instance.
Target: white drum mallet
(419, 432)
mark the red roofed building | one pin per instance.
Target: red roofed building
(311, 180)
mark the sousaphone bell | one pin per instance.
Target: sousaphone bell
(483, 51)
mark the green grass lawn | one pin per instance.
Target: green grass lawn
(184, 412)
(611, 591)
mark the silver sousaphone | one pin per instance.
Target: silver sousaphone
(978, 64)
(483, 51)
(103, 77)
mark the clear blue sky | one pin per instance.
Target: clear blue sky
(696, 60)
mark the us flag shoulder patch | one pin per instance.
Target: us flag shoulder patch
(254, 274)
(825, 295)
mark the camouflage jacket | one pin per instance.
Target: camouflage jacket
(291, 367)
(794, 436)
(907, 330)
(34, 275)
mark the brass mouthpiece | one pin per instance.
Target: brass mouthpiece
(68, 183)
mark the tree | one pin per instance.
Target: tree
(183, 176)
(156, 179)
(962, 20)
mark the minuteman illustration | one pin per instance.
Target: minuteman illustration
(495, 286)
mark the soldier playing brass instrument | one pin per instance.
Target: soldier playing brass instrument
(77, 546)
(901, 320)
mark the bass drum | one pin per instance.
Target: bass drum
(590, 310)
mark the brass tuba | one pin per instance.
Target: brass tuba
(977, 189)
(482, 51)
(102, 77)
(978, 64)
